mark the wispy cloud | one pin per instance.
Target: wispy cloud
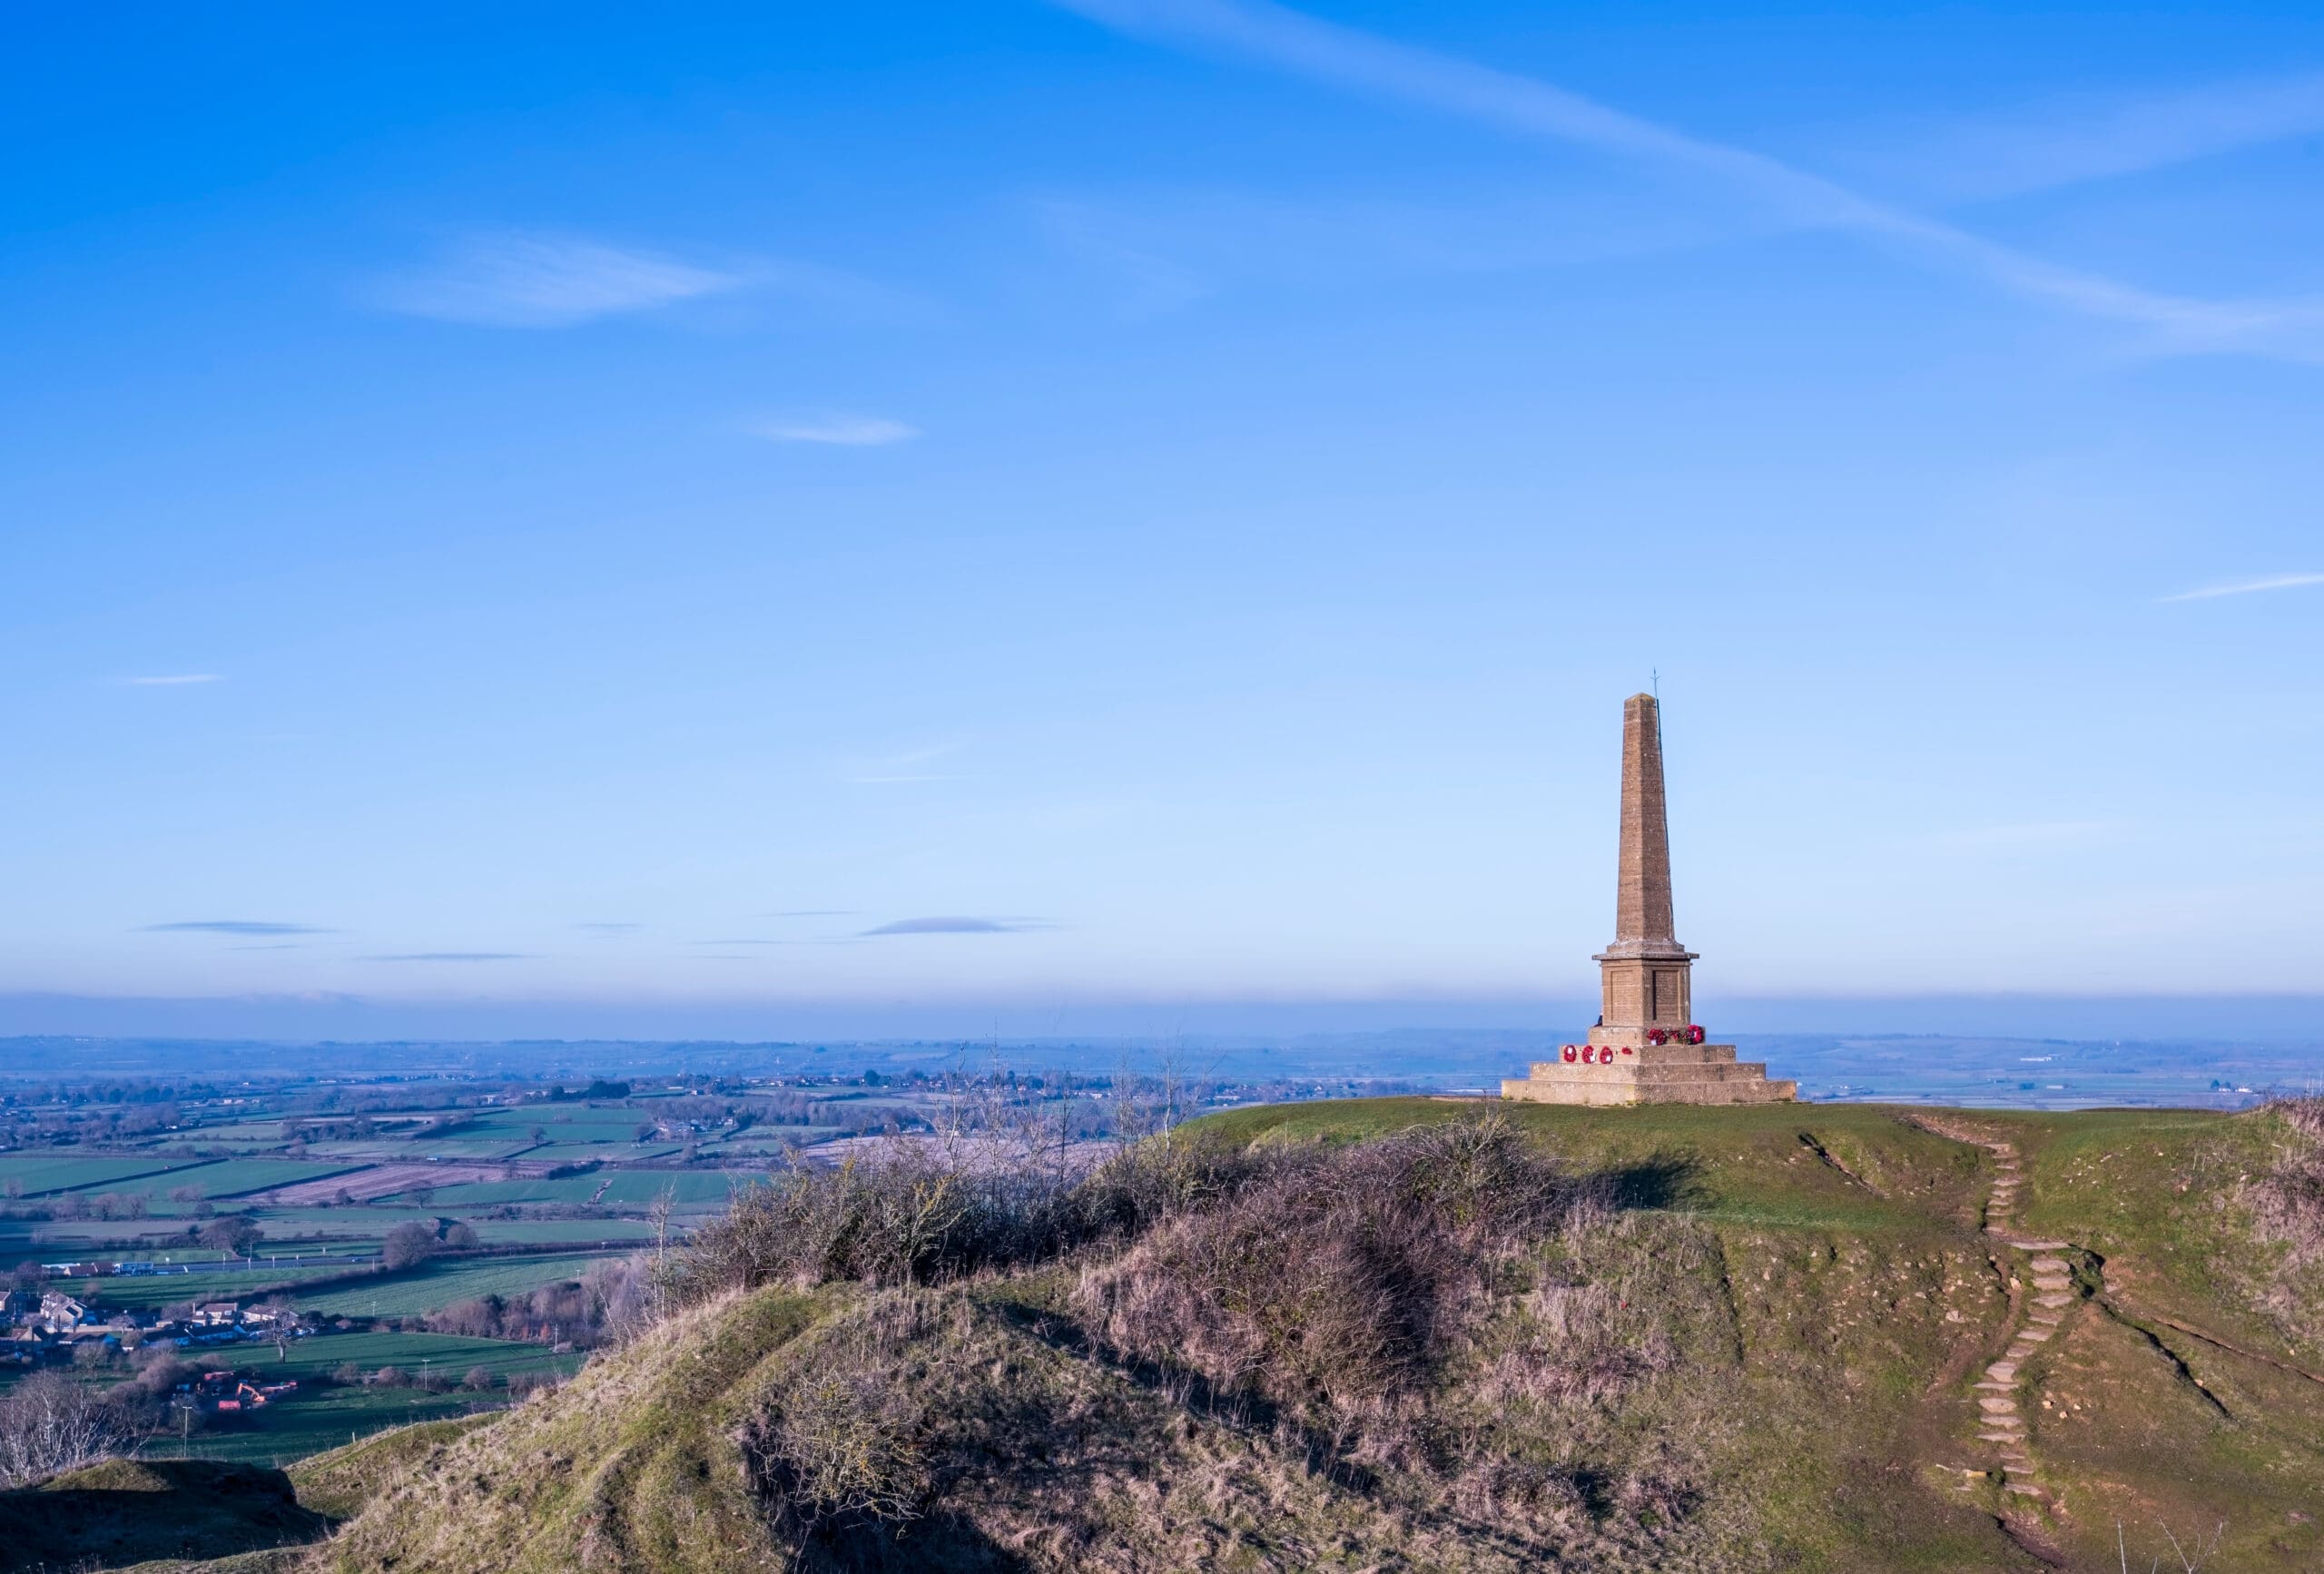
(1378, 67)
(174, 680)
(837, 431)
(517, 279)
(957, 926)
(2248, 586)
(246, 927)
(452, 957)
(2089, 137)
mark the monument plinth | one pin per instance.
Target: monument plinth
(1646, 1047)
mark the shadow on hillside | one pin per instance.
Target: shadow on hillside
(942, 1543)
(128, 1511)
(1665, 1180)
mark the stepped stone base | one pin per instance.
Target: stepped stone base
(1637, 1072)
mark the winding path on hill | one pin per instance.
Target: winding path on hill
(2033, 1321)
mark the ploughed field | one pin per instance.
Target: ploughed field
(1410, 1334)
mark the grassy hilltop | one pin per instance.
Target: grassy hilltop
(1621, 1339)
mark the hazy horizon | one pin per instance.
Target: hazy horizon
(2276, 1019)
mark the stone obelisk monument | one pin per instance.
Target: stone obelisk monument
(1646, 1047)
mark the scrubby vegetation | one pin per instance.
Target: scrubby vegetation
(1404, 1334)
(2288, 1208)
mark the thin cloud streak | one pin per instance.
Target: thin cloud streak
(245, 926)
(1366, 63)
(956, 926)
(520, 279)
(452, 957)
(838, 431)
(174, 680)
(2248, 586)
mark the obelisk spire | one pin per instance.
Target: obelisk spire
(1642, 919)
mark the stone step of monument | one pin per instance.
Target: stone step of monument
(1636, 1043)
(1994, 1437)
(1996, 1385)
(2003, 1369)
(2039, 1246)
(1761, 1090)
(1994, 1405)
(2048, 1264)
(2052, 1303)
(1686, 1059)
(1651, 1071)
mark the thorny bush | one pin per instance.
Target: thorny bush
(1333, 1279)
(909, 1213)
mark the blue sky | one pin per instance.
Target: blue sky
(1155, 500)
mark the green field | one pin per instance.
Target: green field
(37, 1173)
(323, 1417)
(203, 1285)
(217, 1178)
(439, 1283)
(623, 1188)
(560, 1123)
(560, 1151)
(512, 1232)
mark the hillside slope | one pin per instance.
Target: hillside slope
(1756, 1338)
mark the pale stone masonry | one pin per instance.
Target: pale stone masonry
(1646, 1047)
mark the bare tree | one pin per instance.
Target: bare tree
(50, 1423)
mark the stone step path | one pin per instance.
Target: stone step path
(2035, 1321)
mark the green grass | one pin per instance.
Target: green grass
(325, 1353)
(576, 1152)
(208, 1285)
(517, 1232)
(329, 1418)
(443, 1280)
(623, 1188)
(217, 1179)
(1745, 1164)
(37, 1173)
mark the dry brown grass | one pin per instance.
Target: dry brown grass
(2287, 1209)
(1330, 1283)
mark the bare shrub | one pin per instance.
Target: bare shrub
(903, 1213)
(852, 1439)
(50, 1423)
(406, 1245)
(2288, 1207)
(1333, 1283)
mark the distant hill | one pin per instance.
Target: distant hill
(1817, 1337)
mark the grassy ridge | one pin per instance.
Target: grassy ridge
(1756, 1351)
